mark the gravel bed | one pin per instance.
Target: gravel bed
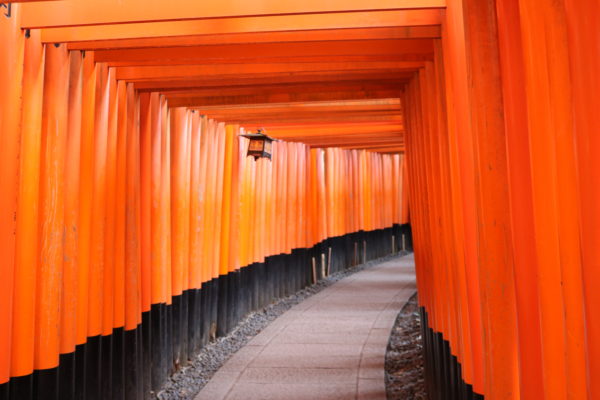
(404, 377)
(187, 382)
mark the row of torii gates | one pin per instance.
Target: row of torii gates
(133, 227)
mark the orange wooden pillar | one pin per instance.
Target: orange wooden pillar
(433, 107)
(27, 228)
(495, 249)
(120, 207)
(11, 72)
(98, 205)
(294, 177)
(111, 206)
(461, 309)
(353, 166)
(461, 148)
(421, 198)
(312, 201)
(49, 273)
(521, 200)
(404, 189)
(110, 246)
(210, 199)
(187, 189)
(305, 241)
(132, 264)
(226, 137)
(194, 277)
(555, 215)
(239, 227)
(165, 201)
(97, 296)
(71, 269)
(179, 199)
(330, 190)
(395, 187)
(160, 238)
(146, 199)
(226, 212)
(275, 196)
(203, 193)
(180, 214)
(413, 193)
(322, 176)
(270, 210)
(292, 199)
(359, 179)
(261, 196)
(441, 316)
(237, 157)
(159, 234)
(244, 219)
(256, 214)
(285, 195)
(567, 200)
(584, 60)
(439, 271)
(157, 228)
(252, 209)
(145, 238)
(220, 143)
(453, 216)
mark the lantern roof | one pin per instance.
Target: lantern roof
(258, 135)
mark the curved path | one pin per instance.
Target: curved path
(330, 346)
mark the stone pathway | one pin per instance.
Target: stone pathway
(330, 346)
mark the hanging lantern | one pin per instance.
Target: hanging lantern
(260, 144)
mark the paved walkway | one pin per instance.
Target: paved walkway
(330, 346)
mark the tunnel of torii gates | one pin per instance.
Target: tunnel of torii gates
(133, 228)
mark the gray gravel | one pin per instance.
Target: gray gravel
(187, 382)
(404, 376)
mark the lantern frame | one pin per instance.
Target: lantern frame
(260, 146)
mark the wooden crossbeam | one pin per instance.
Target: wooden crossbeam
(167, 84)
(232, 70)
(313, 87)
(105, 12)
(393, 50)
(196, 101)
(75, 36)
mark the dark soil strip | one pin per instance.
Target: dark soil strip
(186, 383)
(404, 376)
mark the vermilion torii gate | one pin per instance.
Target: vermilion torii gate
(474, 120)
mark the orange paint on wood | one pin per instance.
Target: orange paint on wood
(71, 264)
(109, 12)
(179, 200)
(51, 229)
(146, 128)
(584, 59)
(133, 284)
(108, 306)
(165, 201)
(157, 228)
(27, 229)
(86, 38)
(203, 199)
(195, 219)
(11, 72)
(226, 210)
(120, 207)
